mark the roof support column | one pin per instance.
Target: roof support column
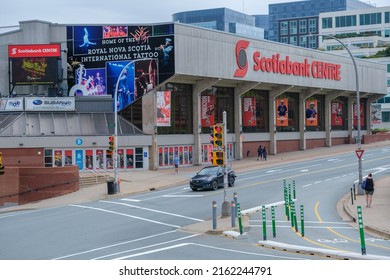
(328, 115)
(197, 89)
(272, 116)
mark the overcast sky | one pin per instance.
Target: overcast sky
(122, 11)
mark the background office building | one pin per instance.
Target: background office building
(222, 19)
(366, 33)
(291, 22)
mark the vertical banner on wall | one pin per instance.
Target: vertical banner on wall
(99, 159)
(163, 108)
(337, 114)
(376, 114)
(249, 113)
(89, 159)
(281, 112)
(80, 159)
(68, 157)
(130, 158)
(207, 110)
(58, 158)
(362, 117)
(311, 112)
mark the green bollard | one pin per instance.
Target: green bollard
(292, 213)
(361, 228)
(239, 218)
(294, 193)
(286, 202)
(302, 222)
(273, 221)
(295, 219)
(264, 224)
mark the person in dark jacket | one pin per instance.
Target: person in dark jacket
(259, 153)
(265, 153)
(369, 189)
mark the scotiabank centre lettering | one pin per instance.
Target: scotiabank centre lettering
(317, 69)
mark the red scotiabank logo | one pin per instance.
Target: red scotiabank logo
(241, 58)
(283, 65)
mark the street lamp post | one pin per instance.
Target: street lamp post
(359, 140)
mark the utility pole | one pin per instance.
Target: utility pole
(225, 205)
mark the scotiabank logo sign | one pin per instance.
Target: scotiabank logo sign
(278, 64)
(241, 58)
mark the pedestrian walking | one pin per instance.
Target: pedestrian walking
(369, 189)
(259, 153)
(176, 162)
(265, 153)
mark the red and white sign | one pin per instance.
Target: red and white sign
(359, 153)
(37, 50)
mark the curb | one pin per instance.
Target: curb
(326, 253)
(370, 229)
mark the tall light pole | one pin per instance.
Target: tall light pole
(359, 139)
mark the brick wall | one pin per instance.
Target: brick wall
(367, 139)
(23, 157)
(20, 185)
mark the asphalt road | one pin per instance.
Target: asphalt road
(150, 226)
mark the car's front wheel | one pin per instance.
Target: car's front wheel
(231, 181)
(214, 185)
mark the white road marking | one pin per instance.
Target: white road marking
(148, 246)
(205, 246)
(126, 215)
(183, 195)
(114, 245)
(131, 200)
(152, 210)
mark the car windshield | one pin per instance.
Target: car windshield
(209, 171)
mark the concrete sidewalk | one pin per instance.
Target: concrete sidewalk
(376, 219)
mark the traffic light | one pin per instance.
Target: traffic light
(218, 158)
(217, 136)
(1, 164)
(111, 144)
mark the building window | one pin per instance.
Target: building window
(292, 101)
(312, 25)
(368, 19)
(302, 26)
(48, 158)
(255, 120)
(387, 33)
(385, 116)
(327, 23)
(312, 42)
(303, 41)
(181, 110)
(293, 40)
(293, 27)
(283, 28)
(284, 40)
(387, 17)
(344, 21)
(388, 68)
(223, 100)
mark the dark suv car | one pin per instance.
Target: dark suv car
(211, 177)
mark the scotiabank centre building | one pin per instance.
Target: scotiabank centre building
(172, 82)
